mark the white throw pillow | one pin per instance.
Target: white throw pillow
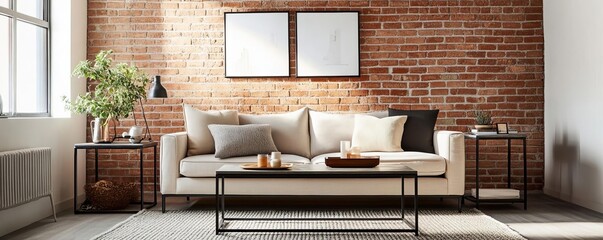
(200, 140)
(289, 130)
(372, 134)
(328, 129)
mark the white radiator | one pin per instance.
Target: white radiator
(25, 177)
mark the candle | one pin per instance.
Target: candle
(262, 160)
(275, 159)
(354, 152)
(344, 148)
(275, 163)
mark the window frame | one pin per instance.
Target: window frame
(10, 103)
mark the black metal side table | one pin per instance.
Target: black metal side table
(523, 197)
(117, 145)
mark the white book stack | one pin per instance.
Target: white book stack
(484, 131)
(488, 131)
(499, 193)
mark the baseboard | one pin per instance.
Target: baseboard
(557, 194)
(68, 203)
(595, 206)
(13, 219)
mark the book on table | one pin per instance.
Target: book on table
(488, 131)
(484, 131)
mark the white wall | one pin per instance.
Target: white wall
(573, 119)
(60, 132)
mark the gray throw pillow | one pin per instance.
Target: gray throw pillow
(196, 121)
(242, 140)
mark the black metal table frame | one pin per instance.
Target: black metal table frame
(221, 218)
(125, 145)
(523, 199)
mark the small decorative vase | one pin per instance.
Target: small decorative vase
(483, 126)
(99, 129)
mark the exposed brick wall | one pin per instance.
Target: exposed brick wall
(455, 56)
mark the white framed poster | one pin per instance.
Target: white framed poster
(256, 44)
(327, 44)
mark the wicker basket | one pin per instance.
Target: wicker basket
(107, 195)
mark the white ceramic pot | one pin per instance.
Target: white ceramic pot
(136, 134)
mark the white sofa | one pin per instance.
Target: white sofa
(441, 174)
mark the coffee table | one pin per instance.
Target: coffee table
(316, 171)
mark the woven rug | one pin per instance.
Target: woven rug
(200, 224)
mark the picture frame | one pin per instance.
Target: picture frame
(502, 128)
(327, 44)
(256, 44)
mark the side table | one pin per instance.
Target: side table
(117, 145)
(523, 197)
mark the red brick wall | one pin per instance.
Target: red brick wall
(455, 56)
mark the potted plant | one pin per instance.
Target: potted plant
(483, 119)
(117, 88)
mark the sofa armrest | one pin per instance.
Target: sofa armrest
(173, 149)
(451, 146)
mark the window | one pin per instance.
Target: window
(24, 58)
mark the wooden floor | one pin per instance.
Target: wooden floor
(549, 218)
(546, 217)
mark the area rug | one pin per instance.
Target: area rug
(200, 224)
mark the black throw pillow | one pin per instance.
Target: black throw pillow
(418, 129)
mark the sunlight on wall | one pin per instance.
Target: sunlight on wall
(573, 113)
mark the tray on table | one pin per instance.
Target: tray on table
(254, 166)
(361, 162)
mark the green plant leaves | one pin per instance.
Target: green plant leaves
(117, 87)
(483, 118)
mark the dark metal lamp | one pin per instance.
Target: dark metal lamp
(156, 91)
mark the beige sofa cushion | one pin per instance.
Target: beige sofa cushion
(289, 130)
(206, 165)
(328, 129)
(378, 134)
(380, 114)
(200, 140)
(426, 164)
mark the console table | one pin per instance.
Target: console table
(315, 171)
(117, 145)
(523, 197)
